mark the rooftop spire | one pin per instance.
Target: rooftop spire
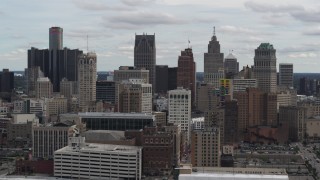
(214, 31)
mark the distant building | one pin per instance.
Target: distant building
(205, 154)
(265, 68)
(231, 122)
(32, 74)
(186, 73)
(44, 88)
(242, 84)
(213, 62)
(206, 98)
(116, 121)
(172, 78)
(55, 38)
(106, 91)
(294, 118)
(87, 79)
(20, 134)
(145, 55)
(161, 118)
(47, 139)
(232, 173)
(231, 65)
(97, 161)
(6, 81)
(134, 96)
(180, 109)
(68, 88)
(162, 79)
(286, 74)
(313, 128)
(129, 72)
(255, 108)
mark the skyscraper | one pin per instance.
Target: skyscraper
(265, 68)
(145, 56)
(180, 109)
(162, 79)
(231, 65)
(55, 38)
(87, 79)
(286, 74)
(6, 81)
(213, 62)
(134, 96)
(43, 88)
(187, 72)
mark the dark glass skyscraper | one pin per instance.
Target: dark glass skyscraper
(145, 55)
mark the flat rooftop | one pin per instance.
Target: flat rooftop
(218, 176)
(104, 148)
(115, 115)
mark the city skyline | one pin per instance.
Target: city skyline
(111, 27)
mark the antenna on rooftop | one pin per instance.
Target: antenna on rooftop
(87, 43)
(214, 30)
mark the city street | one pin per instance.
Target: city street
(308, 155)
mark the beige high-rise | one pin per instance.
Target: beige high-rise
(134, 96)
(205, 147)
(87, 77)
(44, 88)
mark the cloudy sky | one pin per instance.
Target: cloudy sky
(292, 26)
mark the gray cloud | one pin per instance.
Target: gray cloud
(297, 12)
(137, 2)
(135, 20)
(312, 32)
(97, 6)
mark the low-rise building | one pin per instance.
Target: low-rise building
(79, 160)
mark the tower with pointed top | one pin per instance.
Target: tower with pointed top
(213, 62)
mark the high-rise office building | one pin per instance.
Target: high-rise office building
(231, 65)
(68, 88)
(55, 64)
(6, 81)
(134, 96)
(55, 38)
(162, 79)
(180, 109)
(265, 68)
(43, 88)
(294, 119)
(129, 72)
(32, 75)
(255, 108)
(213, 62)
(186, 74)
(87, 79)
(172, 78)
(286, 74)
(145, 55)
(205, 147)
(206, 99)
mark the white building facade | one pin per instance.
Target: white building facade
(97, 161)
(180, 109)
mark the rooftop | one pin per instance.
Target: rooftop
(116, 115)
(104, 148)
(266, 46)
(230, 56)
(225, 176)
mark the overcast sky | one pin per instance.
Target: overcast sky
(292, 26)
